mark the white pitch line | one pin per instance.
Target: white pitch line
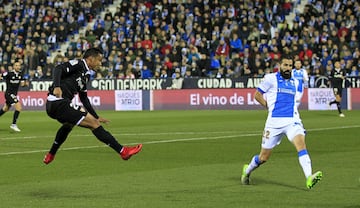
(333, 128)
(168, 141)
(150, 142)
(126, 134)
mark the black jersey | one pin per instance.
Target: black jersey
(13, 80)
(72, 77)
(336, 77)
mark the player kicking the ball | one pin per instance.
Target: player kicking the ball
(283, 119)
(70, 78)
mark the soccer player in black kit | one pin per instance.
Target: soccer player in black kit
(337, 77)
(14, 79)
(70, 78)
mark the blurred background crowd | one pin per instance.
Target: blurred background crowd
(183, 38)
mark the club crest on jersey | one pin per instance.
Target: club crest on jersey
(80, 83)
(287, 87)
(73, 62)
(291, 82)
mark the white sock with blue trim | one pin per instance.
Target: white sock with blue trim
(255, 162)
(305, 162)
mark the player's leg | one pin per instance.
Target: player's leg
(8, 102)
(255, 162)
(338, 100)
(106, 137)
(17, 111)
(303, 155)
(60, 138)
(11, 100)
(338, 95)
(101, 134)
(270, 139)
(338, 105)
(296, 135)
(4, 109)
(62, 111)
(335, 91)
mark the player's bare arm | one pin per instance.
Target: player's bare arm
(260, 98)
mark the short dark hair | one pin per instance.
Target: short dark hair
(336, 59)
(286, 56)
(92, 52)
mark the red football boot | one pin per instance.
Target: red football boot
(48, 158)
(127, 152)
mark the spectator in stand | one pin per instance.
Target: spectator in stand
(168, 65)
(195, 70)
(177, 81)
(163, 73)
(38, 74)
(193, 54)
(48, 68)
(220, 73)
(306, 51)
(138, 62)
(146, 72)
(168, 26)
(175, 56)
(354, 71)
(247, 72)
(222, 51)
(52, 40)
(32, 59)
(236, 45)
(41, 56)
(129, 74)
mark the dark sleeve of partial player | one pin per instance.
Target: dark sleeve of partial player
(86, 103)
(344, 73)
(4, 75)
(331, 75)
(57, 75)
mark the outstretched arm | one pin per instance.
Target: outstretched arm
(87, 105)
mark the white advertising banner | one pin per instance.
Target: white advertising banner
(128, 100)
(319, 99)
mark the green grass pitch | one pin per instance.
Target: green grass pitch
(189, 159)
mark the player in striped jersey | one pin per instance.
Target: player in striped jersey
(277, 94)
(300, 74)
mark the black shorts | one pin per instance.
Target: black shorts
(11, 99)
(65, 112)
(338, 91)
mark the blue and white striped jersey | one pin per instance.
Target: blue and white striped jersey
(302, 76)
(280, 96)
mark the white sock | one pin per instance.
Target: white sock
(305, 163)
(255, 162)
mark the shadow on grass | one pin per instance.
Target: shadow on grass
(278, 183)
(49, 194)
(258, 181)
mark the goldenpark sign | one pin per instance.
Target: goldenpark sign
(188, 83)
